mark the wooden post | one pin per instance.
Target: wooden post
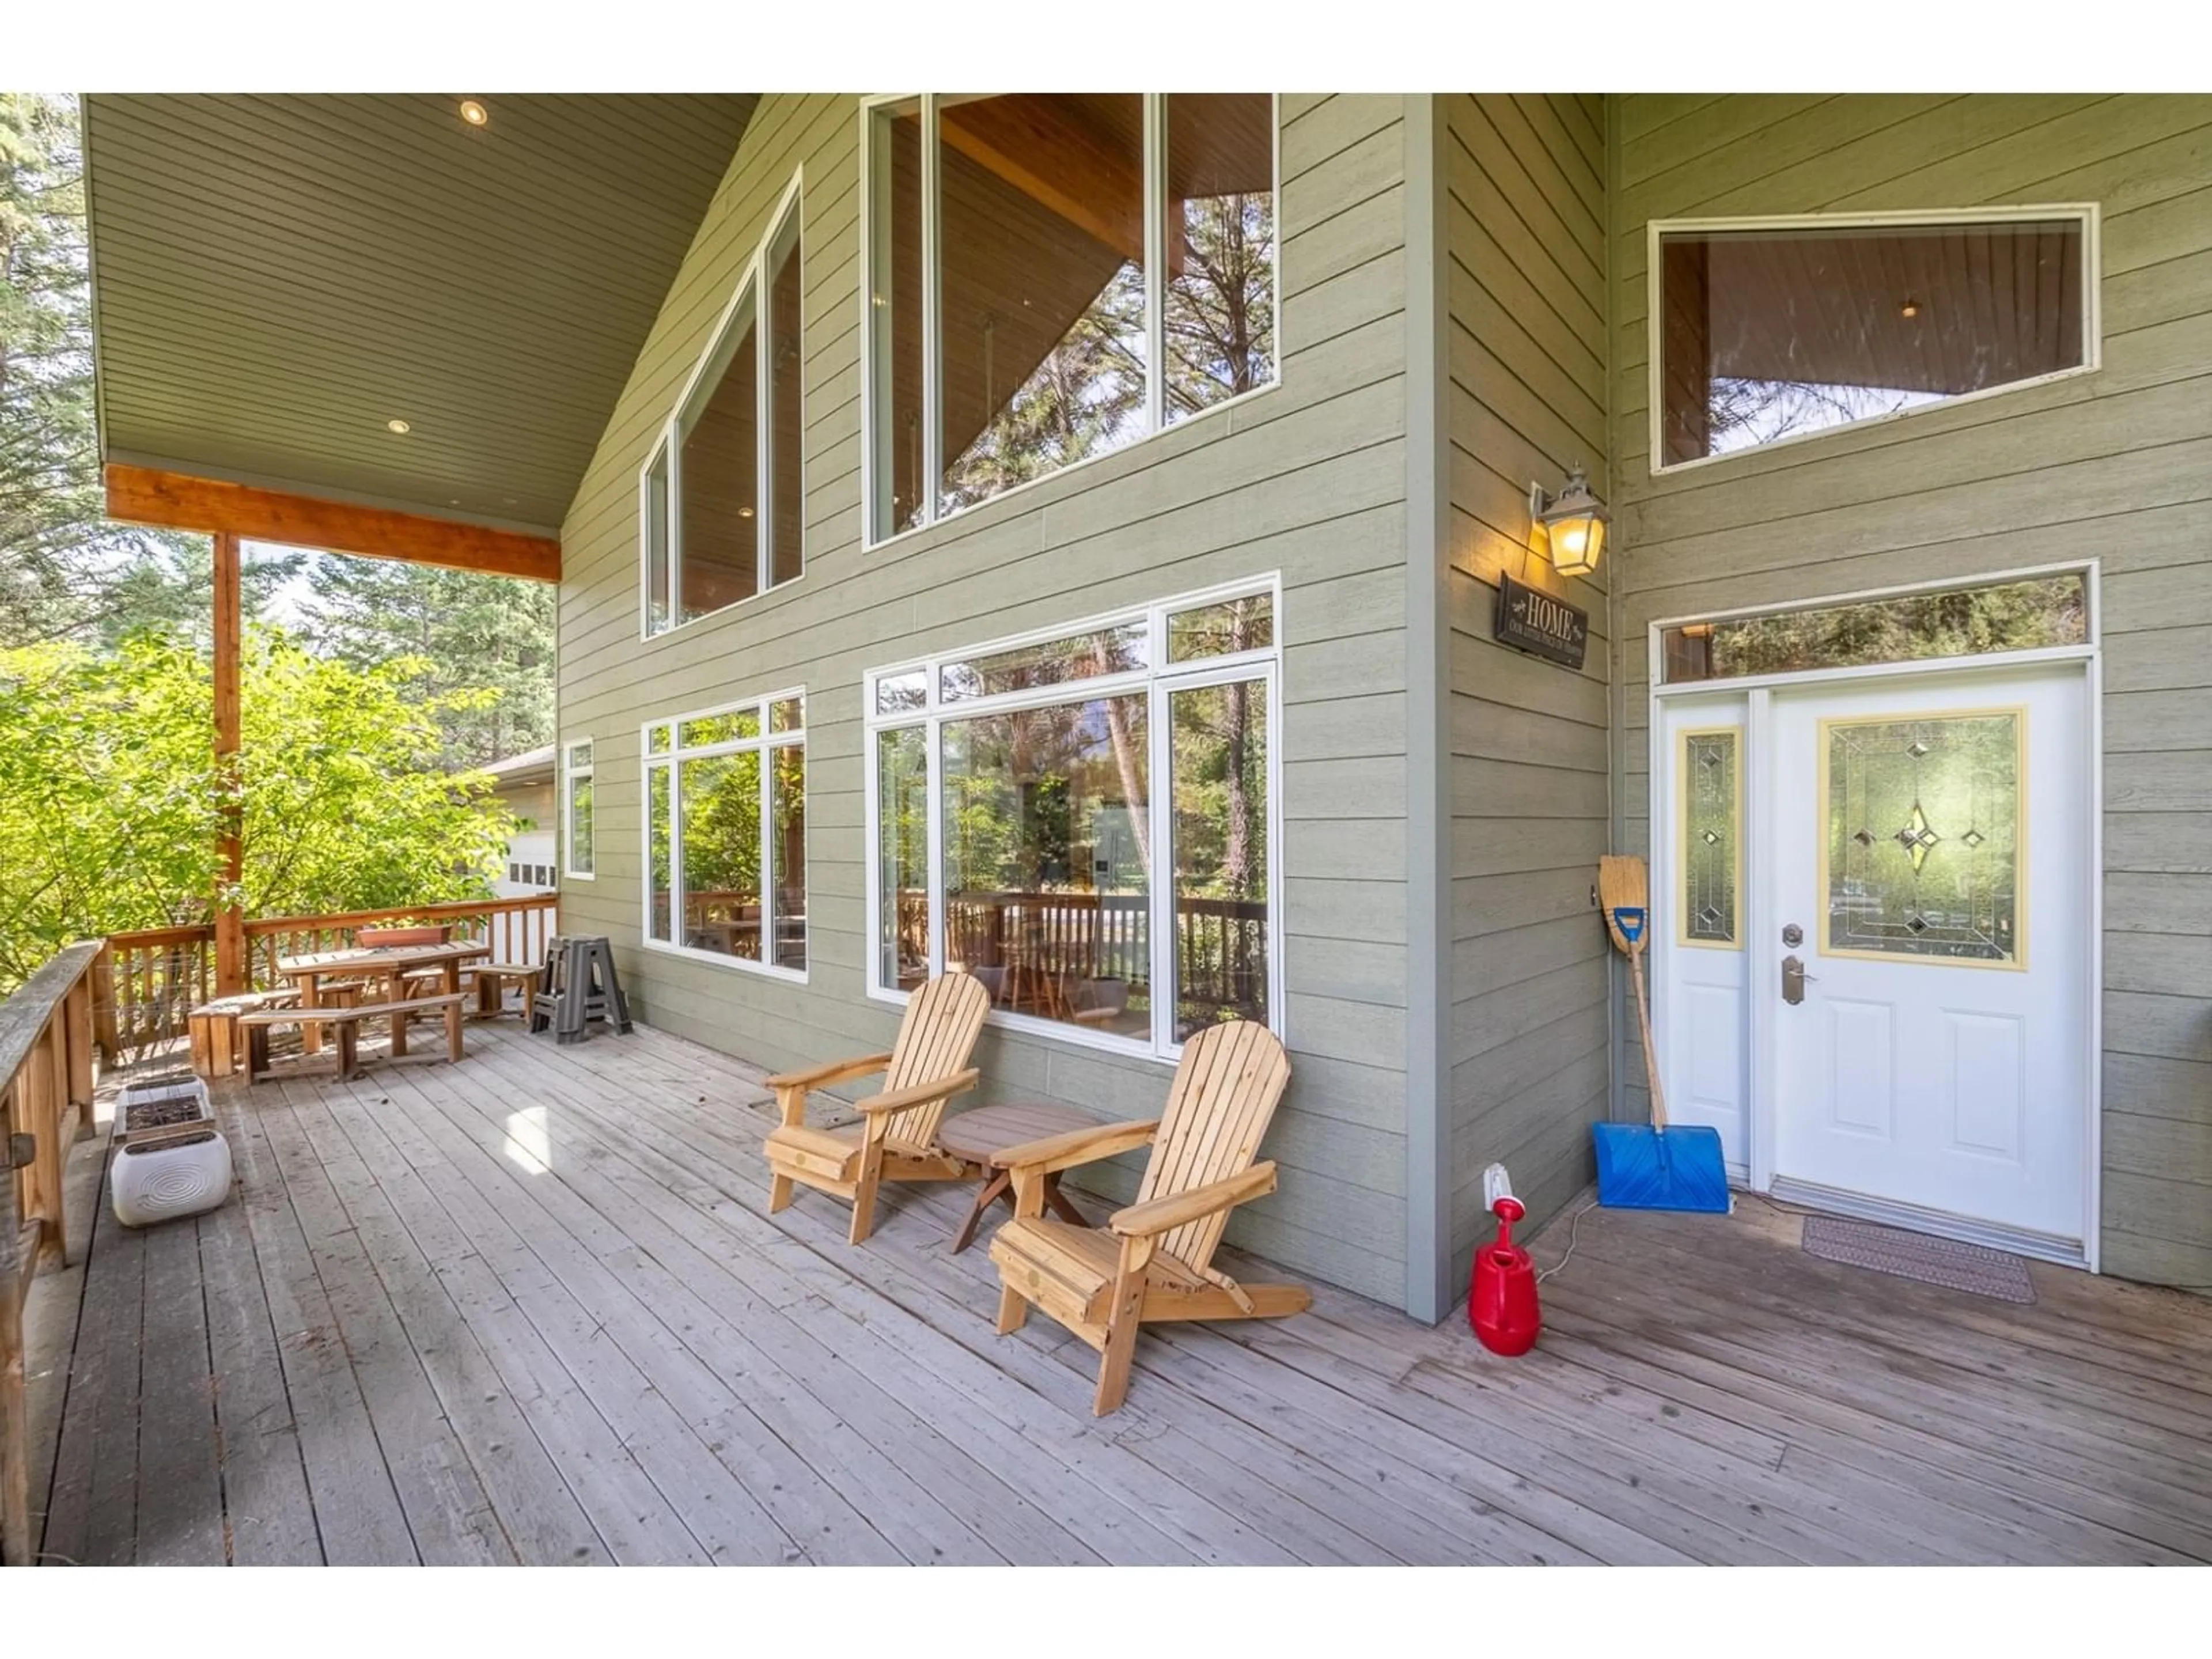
(40, 1083)
(230, 964)
(77, 1034)
(16, 1547)
(103, 1005)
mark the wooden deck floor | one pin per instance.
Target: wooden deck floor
(530, 1307)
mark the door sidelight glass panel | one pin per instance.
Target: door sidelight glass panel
(1711, 778)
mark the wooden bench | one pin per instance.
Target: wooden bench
(344, 1026)
(213, 1026)
(493, 979)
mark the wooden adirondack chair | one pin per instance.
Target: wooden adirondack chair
(896, 1137)
(1153, 1261)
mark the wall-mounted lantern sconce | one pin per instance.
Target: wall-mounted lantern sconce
(1574, 522)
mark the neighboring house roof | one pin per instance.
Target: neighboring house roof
(277, 278)
(532, 766)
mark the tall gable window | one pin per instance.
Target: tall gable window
(1053, 277)
(721, 496)
(1765, 332)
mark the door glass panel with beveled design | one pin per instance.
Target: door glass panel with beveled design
(1921, 822)
(1712, 833)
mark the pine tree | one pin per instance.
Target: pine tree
(65, 571)
(471, 630)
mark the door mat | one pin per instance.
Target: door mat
(1974, 1268)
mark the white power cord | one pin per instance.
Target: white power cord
(1574, 1235)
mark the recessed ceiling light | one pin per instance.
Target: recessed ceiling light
(744, 513)
(1910, 308)
(473, 113)
(398, 426)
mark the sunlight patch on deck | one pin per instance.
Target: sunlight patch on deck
(529, 1145)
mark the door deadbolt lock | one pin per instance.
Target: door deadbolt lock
(1793, 981)
(1792, 934)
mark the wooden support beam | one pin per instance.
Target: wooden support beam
(230, 851)
(178, 501)
(1029, 140)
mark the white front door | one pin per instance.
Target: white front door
(1930, 849)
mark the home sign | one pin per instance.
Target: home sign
(1533, 621)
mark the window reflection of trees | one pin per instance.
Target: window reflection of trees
(1085, 399)
(1744, 414)
(1219, 320)
(2032, 614)
(1048, 857)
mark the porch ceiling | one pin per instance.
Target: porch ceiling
(277, 278)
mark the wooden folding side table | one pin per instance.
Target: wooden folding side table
(974, 1136)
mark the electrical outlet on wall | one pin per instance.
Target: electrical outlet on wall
(1495, 1185)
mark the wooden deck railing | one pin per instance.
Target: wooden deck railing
(148, 981)
(45, 1085)
(1221, 945)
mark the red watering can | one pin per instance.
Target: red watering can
(1501, 1300)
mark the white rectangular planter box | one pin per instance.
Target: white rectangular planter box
(179, 1167)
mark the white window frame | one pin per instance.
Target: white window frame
(764, 745)
(786, 236)
(1158, 683)
(874, 536)
(2088, 213)
(571, 773)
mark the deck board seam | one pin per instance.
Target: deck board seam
(613, 1149)
(422, 1089)
(625, 1148)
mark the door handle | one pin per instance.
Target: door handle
(1793, 981)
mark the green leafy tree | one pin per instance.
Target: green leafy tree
(461, 629)
(64, 570)
(722, 826)
(110, 802)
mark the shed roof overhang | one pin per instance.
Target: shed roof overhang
(278, 280)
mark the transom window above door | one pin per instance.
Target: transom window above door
(1763, 331)
(2030, 611)
(721, 496)
(1052, 276)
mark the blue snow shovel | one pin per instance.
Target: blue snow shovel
(1653, 1167)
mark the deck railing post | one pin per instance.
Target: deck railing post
(15, 1546)
(103, 1003)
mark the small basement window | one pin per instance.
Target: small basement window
(1767, 331)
